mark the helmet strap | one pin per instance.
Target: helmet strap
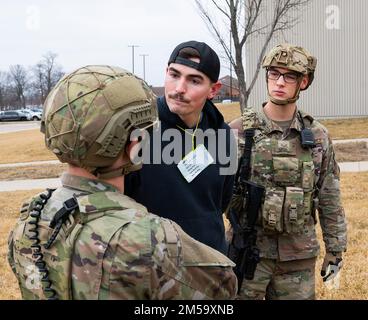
(103, 173)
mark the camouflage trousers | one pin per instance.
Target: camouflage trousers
(276, 280)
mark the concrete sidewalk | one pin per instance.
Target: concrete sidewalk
(16, 185)
(40, 163)
(353, 166)
(350, 141)
(25, 164)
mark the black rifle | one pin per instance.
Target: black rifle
(243, 249)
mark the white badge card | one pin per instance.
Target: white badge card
(195, 162)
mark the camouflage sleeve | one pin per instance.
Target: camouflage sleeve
(11, 253)
(187, 269)
(331, 213)
(148, 259)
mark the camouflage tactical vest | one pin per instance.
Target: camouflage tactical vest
(286, 170)
(94, 212)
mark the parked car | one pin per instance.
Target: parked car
(12, 116)
(32, 114)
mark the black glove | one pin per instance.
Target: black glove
(331, 265)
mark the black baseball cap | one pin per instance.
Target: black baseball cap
(209, 62)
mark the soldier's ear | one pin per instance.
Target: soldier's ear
(304, 82)
(133, 148)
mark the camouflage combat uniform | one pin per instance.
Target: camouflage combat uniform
(112, 248)
(298, 182)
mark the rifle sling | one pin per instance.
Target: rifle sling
(248, 136)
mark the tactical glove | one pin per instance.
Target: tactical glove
(331, 265)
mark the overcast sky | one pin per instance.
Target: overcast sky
(85, 32)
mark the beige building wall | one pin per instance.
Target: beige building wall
(336, 32)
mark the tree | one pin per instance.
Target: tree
(19, 78)
(3, 86)
(240, 21)
(46, 73)
(8, 96)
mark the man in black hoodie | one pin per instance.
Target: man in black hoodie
(189, 174)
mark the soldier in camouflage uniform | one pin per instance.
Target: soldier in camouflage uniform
(298, 180)
(86, 240)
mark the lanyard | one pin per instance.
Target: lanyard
(192, 134)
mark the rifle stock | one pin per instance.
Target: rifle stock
(243, 249)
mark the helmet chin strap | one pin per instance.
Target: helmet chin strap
(103, 173)
(283, 102)
(287, 101)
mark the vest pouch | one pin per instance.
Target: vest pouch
(308, 206)
(262, 157)
(284, 148)
(308, 176)
(285, 170)
(272, 210)
(294, 210)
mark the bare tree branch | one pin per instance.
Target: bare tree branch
(244, 19)
(220, 9)
(213, 28)
(19, 77)
(46, 73)
(2, 88)
(29, 86)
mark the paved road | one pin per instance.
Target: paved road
(6, 127)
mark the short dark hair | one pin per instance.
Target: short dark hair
(189, 53)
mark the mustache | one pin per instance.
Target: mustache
(178, 96)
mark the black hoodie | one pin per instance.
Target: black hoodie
(197, 206)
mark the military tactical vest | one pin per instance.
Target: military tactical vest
(93, 212)
(286, 170)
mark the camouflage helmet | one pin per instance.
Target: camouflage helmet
(293, 58)
(90, 113)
